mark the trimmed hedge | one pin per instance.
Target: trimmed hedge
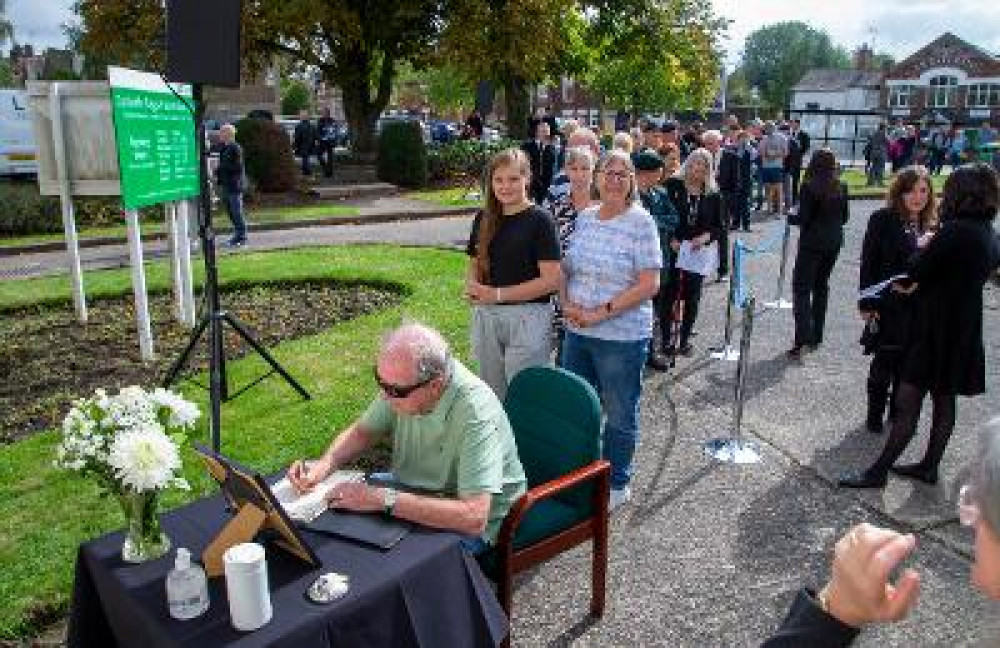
(267, 154)
(24, 211)
(402, 156)
(462, 159)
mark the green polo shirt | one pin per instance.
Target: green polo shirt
(464, 446)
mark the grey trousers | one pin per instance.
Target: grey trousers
(506, 339)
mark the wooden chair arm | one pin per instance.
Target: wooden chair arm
(599, 470)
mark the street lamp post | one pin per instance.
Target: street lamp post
(755, 96)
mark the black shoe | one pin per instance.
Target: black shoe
(657, 362)
(796, 352)
(865, 479)
(917, 471)
(685, 349)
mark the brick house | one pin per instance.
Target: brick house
(947, 79)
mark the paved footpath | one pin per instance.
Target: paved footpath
(711, 555)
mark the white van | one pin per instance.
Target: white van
(18, 153)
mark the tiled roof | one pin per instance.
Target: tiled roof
(825, 80)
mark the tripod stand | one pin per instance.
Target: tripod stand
(214, 318)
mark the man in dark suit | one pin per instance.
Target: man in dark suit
(542, 157)
(304, 140)
(736, 180)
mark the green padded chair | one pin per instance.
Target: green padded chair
(556, 417)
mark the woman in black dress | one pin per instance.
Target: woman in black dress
(945, 354)
(891, 239)
(822, 213)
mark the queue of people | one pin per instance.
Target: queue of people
(590, 260)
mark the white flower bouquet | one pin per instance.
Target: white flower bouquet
(130, 443)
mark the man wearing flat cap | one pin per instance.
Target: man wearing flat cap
(648, 171)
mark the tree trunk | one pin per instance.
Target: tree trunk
(360, 108)
(516, 100)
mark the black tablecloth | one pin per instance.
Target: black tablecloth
(426, 591)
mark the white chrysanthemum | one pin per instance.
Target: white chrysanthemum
(183, 413)
(144, 459)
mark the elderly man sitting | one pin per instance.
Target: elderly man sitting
(450, 437)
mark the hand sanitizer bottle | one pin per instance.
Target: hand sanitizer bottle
(187, 588)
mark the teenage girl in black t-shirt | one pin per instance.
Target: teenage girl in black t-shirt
(513, 270)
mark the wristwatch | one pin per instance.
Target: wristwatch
(389, 501)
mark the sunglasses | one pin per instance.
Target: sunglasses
(397, 392)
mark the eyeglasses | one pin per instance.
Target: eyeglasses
(968, 510)
(620, 176)
(398, 392)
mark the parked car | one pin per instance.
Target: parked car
(18, 152)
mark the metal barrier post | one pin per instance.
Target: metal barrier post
(734, 449)
(726, 352)
(779, 302)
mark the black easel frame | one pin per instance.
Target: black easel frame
(214, 316)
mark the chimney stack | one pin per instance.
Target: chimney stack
(863, 58)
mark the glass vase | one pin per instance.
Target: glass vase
(144, 539)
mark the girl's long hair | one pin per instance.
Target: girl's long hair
(822, 175)
(492, 212)
(904, 183)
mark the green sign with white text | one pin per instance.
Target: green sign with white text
(155, 135)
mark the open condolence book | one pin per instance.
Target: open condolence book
(310, 512)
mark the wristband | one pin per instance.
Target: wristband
(609, 308)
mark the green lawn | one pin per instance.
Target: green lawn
(47, 513)
(856, 184)
(454, 197)
(219, 220)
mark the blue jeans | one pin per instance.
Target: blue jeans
(614, 369)
(234, 206)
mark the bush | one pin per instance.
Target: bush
(267, 154)
(402, 156)
(462, 159)
(25, 211)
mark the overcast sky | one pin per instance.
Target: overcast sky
(899, 27)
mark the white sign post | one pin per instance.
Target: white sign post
(139, 286)
(66, 201)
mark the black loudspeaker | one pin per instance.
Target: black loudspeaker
(203, 42)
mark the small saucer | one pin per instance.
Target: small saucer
(327, 588)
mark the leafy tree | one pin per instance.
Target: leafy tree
(777, 56)
(6, 74)
(659, 55)
(295, 96)
(738, 92)
(445, 88)
(355, 44)
(514, 43)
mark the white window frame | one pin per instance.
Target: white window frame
(900, 95)
(983, 95)
(941, 91)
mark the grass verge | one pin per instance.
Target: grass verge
(857, 184)
(220, 220)
(46, 513)
(453, 197)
